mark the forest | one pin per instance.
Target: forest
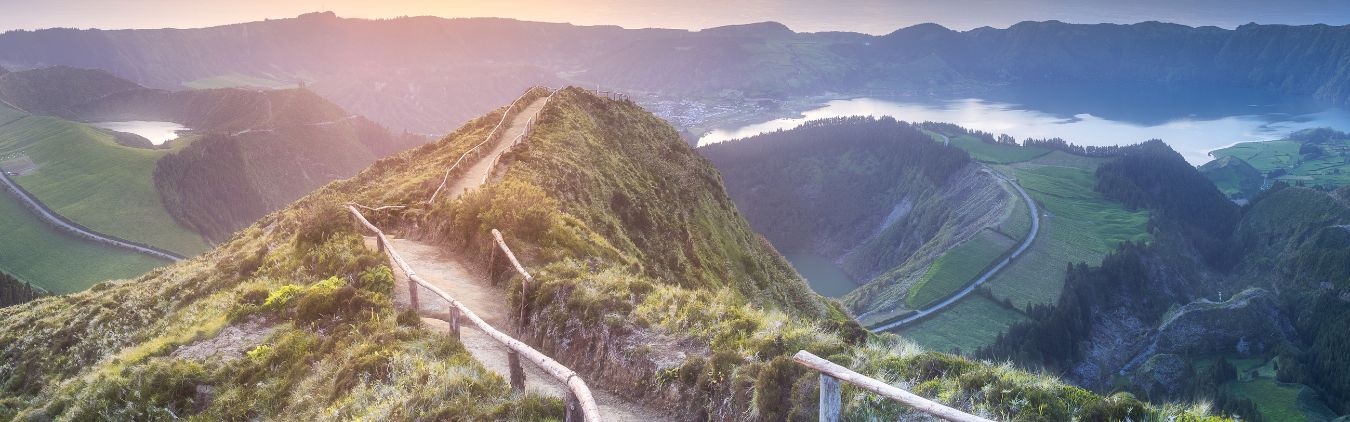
(1204, 245)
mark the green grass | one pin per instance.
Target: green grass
(958, 267)
(84, 175)
(1265, 156)
(967, 325)
(996, 153)
(1276, 401)
(1331, 169)
(1017, 224)
(1077, 225)
(57, 262)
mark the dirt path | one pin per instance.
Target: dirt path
(475, 174)
(465, 279)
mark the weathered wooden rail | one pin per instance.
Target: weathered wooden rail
(529, 128)
(580, 403)
(831, 399)
(507, 114)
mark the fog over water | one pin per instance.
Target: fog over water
(1193, 132)
(157, 132)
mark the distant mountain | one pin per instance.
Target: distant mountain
(428, 74)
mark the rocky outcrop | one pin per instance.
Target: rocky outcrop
(1249, 323)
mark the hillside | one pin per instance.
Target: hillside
(427, 74)
(1312, 157)
(909, 224)
(292, 318)
(1251, 285)
(263, 149)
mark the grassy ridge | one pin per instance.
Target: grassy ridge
(58, 262)
(86, 177)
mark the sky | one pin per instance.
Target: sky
(868, 16)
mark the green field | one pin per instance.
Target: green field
(1275, 400)
(1331, 169)
(958, 267)
(84, 175)
(1077, 225)
(57, 262)
(1017, 224)
(995, 153)
(967, 325)
(1265, 156)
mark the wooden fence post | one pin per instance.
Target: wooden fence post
(412, 294)
(492, 261)
(454, 321)
(573, 408)
(831, 401)
(517, 373)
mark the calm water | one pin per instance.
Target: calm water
(157, 132)
(823, 276)
(1193, 123)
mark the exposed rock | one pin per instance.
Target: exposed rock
(1161, 374)
(1248, 323)
(231, 343)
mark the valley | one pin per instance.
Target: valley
(403, 213)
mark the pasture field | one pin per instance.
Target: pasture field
(1329, 169)
(967, 325)
(58, 262)
(996, 153)
(1077, 225)
(85, 176)
(958, 267)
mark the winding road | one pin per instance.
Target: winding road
(64, 224)
(1035, 229)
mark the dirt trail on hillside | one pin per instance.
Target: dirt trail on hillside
(465, 279)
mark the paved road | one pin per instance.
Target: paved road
(60, 222)
(1035, 229)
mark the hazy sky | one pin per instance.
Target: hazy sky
(871, 16)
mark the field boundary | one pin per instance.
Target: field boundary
(62, 223)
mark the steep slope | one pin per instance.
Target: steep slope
(248, 152)
(1258, 284)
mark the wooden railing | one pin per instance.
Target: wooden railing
(831, 399)
(580, 403)
(491, 135)
(529, 128)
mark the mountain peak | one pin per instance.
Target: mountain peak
(761, 29)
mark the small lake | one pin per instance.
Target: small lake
(821, 273)
(157, 132)
(1192, 122)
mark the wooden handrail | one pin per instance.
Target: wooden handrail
(830, 399)
(446, 179)
(580, 391)
(529, 128)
